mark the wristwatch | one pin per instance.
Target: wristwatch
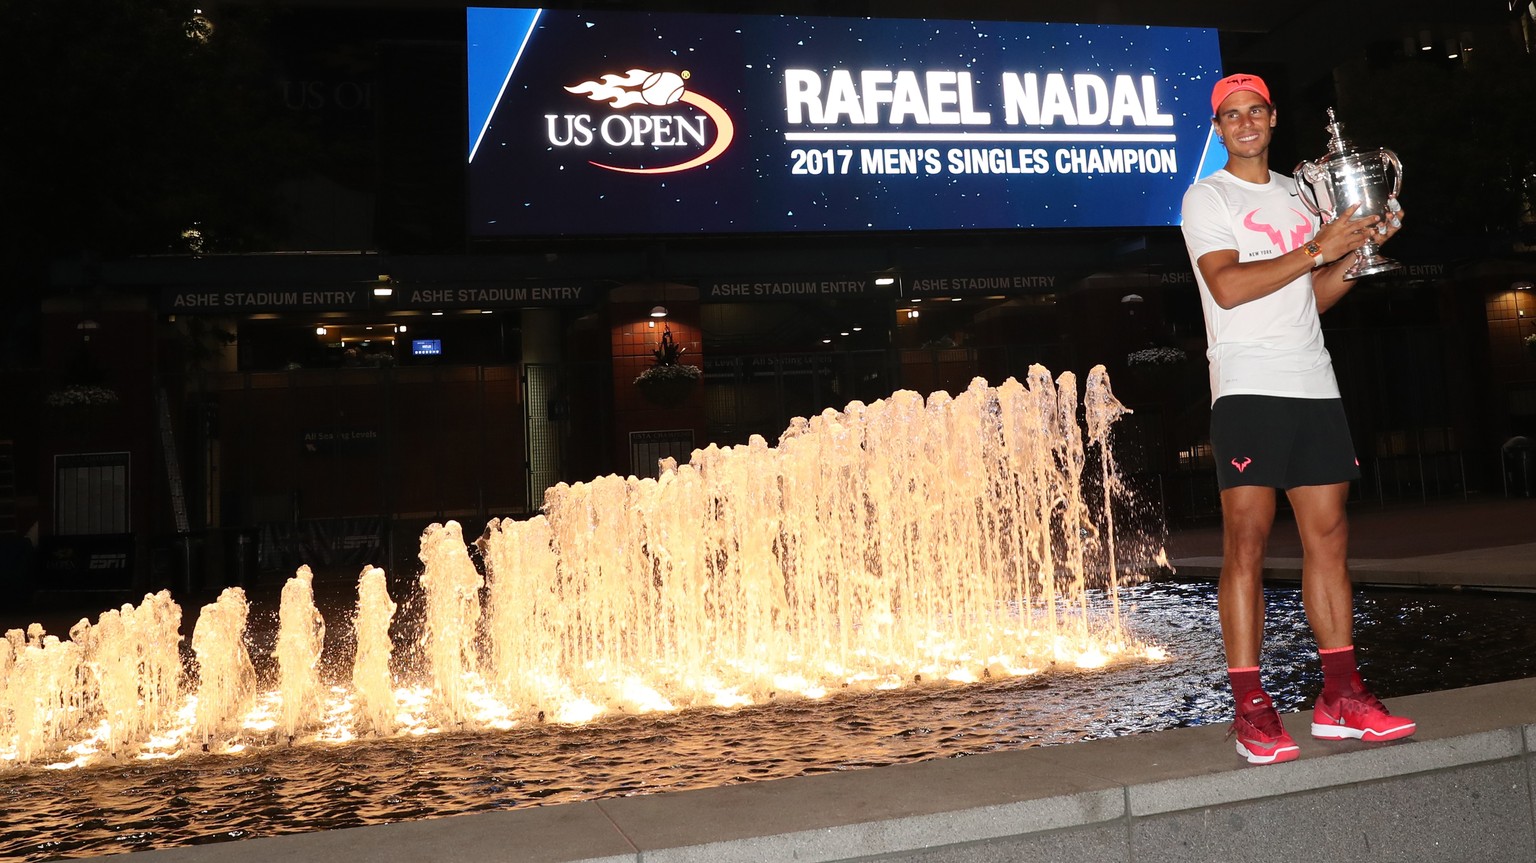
(1316, 251)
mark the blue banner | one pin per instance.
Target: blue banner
(633, 123)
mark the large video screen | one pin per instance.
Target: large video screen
(630, 123)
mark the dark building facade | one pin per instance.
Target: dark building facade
(221, 412)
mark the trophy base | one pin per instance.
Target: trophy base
(1370, 265)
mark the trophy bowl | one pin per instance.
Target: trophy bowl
(1345, 176)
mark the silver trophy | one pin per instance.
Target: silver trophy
(1346, 176)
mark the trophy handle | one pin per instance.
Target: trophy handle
(1305, 175)
(1397, 172)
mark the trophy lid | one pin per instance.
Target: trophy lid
(1338, 145)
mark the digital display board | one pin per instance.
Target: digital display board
(600, 122)
(426, 347)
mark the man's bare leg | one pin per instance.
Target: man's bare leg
(1326, 593)
(1247, 513)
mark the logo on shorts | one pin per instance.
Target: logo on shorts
(1242, 465)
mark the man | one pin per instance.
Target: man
(1265, 271)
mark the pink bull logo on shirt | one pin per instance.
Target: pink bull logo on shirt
(1299, 231)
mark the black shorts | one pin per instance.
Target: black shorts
(1281, 442)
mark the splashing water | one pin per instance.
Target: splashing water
(300, 633)
(226, 679)
(371, 682)
(890, 543)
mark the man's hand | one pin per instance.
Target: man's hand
(1387, 228)
(1345, 234)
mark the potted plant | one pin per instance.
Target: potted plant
(1530, 344)
(668, 382)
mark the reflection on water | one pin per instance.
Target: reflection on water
(1410, 642)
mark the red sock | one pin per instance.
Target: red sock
(1341, 675)
(1244, 681)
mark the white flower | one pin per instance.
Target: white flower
(75, 395)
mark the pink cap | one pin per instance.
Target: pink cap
(1232, 84)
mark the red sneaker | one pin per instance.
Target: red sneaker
(1261, 737)
(1359, 715)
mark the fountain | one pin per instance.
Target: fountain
(889, 543)
(879, 588)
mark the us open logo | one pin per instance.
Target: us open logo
(636, 123)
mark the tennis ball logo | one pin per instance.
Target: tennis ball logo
(662, 88)
(635, 87)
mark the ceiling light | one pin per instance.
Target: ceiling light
(659, 312)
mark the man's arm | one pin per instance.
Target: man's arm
(1328, 284)
(1233, 283)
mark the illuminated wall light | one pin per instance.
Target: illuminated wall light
(384, 291)
(486, 312)
(1452, 50)
(319, 331)
(826, 341)
(402, 328)
(954, 299)
(437, 314)
(844, 333)
(884, 281)
(858, 329)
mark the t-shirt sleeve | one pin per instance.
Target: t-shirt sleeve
(1207, 227)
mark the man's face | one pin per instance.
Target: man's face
(1245, 123)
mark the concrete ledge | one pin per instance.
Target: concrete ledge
(1460, 787)
(1511, 567)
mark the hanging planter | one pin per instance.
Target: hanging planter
(1158, 368)
(78, 407)
(668, 382)
(667, 385)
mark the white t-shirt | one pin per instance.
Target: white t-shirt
(1271, 346)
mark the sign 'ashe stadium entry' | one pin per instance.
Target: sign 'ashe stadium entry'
(624, 123)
